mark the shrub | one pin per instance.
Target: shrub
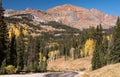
(82, 69)
(10, 69)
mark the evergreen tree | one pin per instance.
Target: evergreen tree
(20, 50)
(96, 63)
(37, 50)
(13, 53)
(104, 52)
(4, 40)
(99, 35)
(30, 54)
(33, 53)
(96, 60)
(114, 55)
(91, 32)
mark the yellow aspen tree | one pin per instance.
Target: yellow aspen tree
(89, 47)
(40, 56)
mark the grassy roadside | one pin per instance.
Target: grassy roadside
(112, 70)
(82, 64)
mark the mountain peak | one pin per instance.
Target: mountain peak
(29, 9)
(71, 15)
(68, 5)
(81, 17)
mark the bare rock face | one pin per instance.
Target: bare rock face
(80, 17)
(70, 15)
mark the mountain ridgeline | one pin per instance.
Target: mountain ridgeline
(70, 15)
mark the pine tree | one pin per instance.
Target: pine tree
(33, 53)
(103, 52)
(99, 35)
(4, 40)
(96, 60)
(36, 56)
(13, 53)
(96, 63)
(30, 54)
(114, 56)
(20, 50)
(91, 32)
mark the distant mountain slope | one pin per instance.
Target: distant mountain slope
(80, 17)
(35, 27)
(73, 16)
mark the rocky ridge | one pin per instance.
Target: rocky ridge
(70, 15)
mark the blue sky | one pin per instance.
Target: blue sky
(106, 6)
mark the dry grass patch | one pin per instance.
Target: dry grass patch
(85, 75)
(82, 64)
(107, 71)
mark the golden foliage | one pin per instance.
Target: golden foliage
(89, 47)
(25, 32)
(44, 58)
(108, 37)
(10, 69)
(40, 56)
(14, 30)
(53, 53)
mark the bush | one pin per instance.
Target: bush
(10, 69)
(82, 69)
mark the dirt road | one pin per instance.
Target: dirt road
(56, 74)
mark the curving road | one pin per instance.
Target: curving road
(62, 74)
(55, 74)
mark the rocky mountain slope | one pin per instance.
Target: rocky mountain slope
(36, 27)
(73, 16)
